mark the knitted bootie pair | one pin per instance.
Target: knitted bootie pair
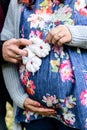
(36, 51)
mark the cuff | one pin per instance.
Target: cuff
(79, 36)
(21, 102)
(1, 57)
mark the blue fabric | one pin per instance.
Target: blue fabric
(61, 82)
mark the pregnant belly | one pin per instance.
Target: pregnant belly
(48, 82)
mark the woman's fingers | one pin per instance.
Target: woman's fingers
(52, 36)
(23, 42)
(43, 111)
(59, 35)
(36, 107)
(17, 47)
(19, 52)
(29, 101)
(40, 109)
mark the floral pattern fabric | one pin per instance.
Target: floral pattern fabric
(61, 82)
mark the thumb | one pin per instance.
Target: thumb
(32, 102)
(22, 52)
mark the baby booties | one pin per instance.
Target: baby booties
(36, 51)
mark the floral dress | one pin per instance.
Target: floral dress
(61, 81)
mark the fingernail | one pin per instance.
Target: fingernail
(55, 112)
(38, 104)
(25, 53)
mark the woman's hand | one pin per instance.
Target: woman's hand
(36, 107)
(59, 35)
(11, 50)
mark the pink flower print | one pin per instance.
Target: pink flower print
(27, 74)
(28, 113)
(39, 34)
(36, 33)
(24, 74)
(81, 6)
(58, 49)
(83, 11)
(22, 32)
(57, 23)
(32, 34)
(68, 117)
(83, 98)
(22, 68)
(36, 20)
(33, 18)
(50, 101)
(68, 10)
(25, 1)
(70, 101)
(57, 2)
(46, 6)
(30, 87)
(25, 80)
(66, 71)
(48, 10)
(38, 11)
